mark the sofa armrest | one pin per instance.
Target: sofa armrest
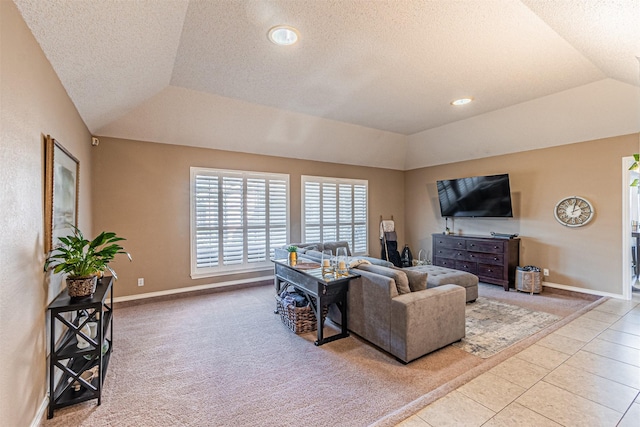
(280, 253)
(427, 320)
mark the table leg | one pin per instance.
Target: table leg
(343, 311)
(320, 321)
(277, 283)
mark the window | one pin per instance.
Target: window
(237, 218)
(335, 209)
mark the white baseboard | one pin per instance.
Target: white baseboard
(191, 289)
(582, 290)
(37, 420)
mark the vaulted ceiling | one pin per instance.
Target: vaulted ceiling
(371, 80)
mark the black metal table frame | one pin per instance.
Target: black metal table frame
(320, 292)
(65, 356)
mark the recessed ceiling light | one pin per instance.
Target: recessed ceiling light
(283, 35)
(461, 101)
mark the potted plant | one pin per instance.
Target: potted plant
(293, 254)
(84, 260)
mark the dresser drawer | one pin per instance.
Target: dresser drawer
(485, 258)
(469, 267)
(489, 270)
(445, 262)
(449, 243)
(488, 247)
(446, 253)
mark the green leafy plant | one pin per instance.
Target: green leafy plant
(634, 167)
(292, 248)
(79, 257)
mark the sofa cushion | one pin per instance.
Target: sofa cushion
(313, 254)
(417, 279)
(304, 246)
(335, 245)
(402, 282)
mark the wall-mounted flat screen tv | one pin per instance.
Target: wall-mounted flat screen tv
(477, 196)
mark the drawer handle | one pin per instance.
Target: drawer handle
(496, 247)
(489, 270)
(495, 258)
(472, 245)
(459, 253)
(472, 256)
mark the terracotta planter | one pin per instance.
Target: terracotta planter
(78, 287)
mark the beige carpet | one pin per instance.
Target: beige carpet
(224, 359)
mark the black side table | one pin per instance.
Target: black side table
(67, 362)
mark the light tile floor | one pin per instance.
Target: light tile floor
(586, 373)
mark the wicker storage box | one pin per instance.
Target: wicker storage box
(528, 281)
(298, 319)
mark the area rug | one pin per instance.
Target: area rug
(492, 326)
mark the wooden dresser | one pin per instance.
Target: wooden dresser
(493, 260)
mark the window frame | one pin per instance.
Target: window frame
(337, 181)
(245, 266)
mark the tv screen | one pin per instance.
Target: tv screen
(477, 196)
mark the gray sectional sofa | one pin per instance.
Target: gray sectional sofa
(407, 325)
(395, 309)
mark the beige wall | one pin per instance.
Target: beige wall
(586, 257)
(33, 104)
(142, 191)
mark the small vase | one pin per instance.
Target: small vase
(293, 258)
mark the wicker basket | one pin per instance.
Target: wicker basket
(528, 281)
(298, 319)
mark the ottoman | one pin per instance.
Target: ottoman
(438, 276)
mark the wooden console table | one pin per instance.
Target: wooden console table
(321, 292)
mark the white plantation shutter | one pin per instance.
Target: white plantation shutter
(237, 220)
(335, 209)
(232, 220)
(206, 216)
(278, 214)
(312, 211)
(360, 218)
(329, 212)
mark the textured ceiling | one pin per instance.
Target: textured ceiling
(391, 66)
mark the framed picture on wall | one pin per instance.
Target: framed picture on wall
(62, 179)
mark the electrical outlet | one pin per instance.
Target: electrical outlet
(140, 281)
(545, 272)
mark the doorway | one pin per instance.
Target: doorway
(630, 230)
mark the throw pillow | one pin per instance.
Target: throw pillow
(358, 261)
(417, 279)
(402, 282)
(377, 261)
